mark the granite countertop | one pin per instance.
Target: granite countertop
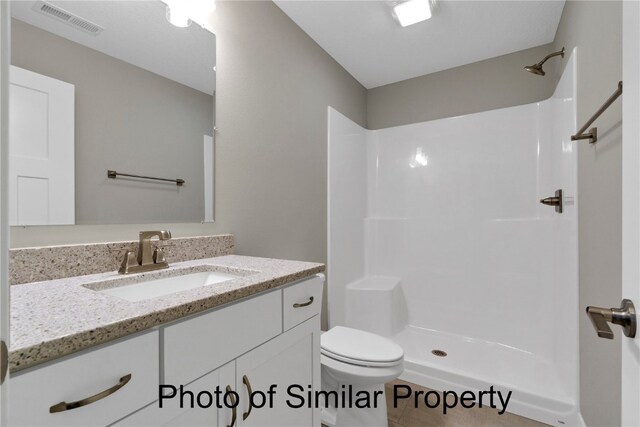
(51, 319)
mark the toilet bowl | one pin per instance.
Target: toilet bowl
(355, 366)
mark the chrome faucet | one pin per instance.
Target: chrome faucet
(146, 260)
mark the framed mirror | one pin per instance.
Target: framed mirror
(112, 109)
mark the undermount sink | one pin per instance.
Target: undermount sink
(166, 286)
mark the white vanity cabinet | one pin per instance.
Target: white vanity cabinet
(272, 339)
(172, 415)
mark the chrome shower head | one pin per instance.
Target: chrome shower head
(537, 68)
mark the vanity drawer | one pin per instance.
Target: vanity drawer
(202, 343)
(302, 301)
(128, 369)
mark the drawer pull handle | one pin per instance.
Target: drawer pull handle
(246, 382)
(304, 304)
(64, 406)
(233, 407)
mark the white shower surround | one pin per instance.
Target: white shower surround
(437, 239)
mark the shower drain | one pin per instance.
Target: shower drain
(439, 353)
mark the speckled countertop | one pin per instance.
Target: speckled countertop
(55, 318)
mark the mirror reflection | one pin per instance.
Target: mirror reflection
(100, 86)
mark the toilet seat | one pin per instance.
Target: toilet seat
(360, 348)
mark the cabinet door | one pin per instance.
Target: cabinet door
(292, 358)
(172, 415)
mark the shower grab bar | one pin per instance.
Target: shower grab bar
(113, 174)
(592, 135)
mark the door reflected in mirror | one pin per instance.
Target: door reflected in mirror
(100, 86)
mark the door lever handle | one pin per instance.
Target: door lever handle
(624, 316)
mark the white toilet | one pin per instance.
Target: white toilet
(355, 360)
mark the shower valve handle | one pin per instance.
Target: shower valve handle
(624, 316)
(555, 201)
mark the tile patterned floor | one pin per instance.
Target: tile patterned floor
(405, 415)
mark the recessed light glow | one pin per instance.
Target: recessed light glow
(412, 11)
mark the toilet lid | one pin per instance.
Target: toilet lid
(359, 347)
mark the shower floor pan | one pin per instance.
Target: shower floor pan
(472, 364)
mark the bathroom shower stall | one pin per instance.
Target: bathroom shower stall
(438, 240)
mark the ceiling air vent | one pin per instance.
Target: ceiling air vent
(68, 18)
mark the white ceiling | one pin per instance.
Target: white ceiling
(369, 43)
(136, 32)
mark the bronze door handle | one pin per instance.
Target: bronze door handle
(624, 316)
(304, 304)
(246, 382)
(4, 361)
(64, 406)
(233, 407)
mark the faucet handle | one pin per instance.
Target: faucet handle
(158, 256)
(128, 261)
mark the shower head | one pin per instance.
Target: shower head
(537, 68)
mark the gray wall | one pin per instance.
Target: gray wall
(127, 119)
(274, 86)
(595, 27)
(486, 85)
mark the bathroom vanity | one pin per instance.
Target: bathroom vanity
(100, 359)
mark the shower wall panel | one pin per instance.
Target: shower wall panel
(450, 211)
(347, 207)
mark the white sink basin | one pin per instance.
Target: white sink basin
(160, 287)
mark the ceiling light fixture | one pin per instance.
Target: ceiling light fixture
(411, 12)
(182, 12)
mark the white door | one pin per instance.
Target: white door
(41, 149)
(287, 360)
(4, 213)
(631, 206)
